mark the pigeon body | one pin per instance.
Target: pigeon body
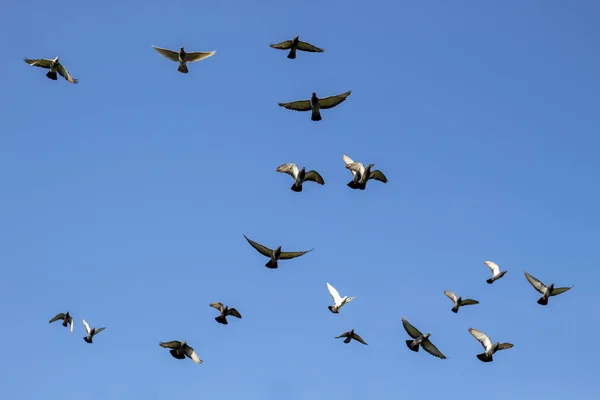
(315, 104)
(296, 44)
(275, 255)
(225, 311)
(546, 291)
(182, 57)
(496, 273)
(54, 66)
(458, 301)
(90, 332)
(420, 339)
(490, 348)
(67, 319)
(351, 335)
(362, 174)
(300, 176)
(181, 350)
(337, 299)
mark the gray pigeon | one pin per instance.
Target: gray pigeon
(183, 58)
(300, 176)
(546, 291)
(420, 339)
(225, 311)
(67, 319)
(315, 104)
(296, 44)
(361, 174)
(54, 66)
(496, 274)
(275, 255)
(490, 348)
(351, 335)
(458, 301)
(90, 332)
(181, 350)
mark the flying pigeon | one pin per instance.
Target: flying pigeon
(458, 301)
(181, 350)
(225, 311)
(351, 335)
(276, 254)
(420, 339)
(67, 319)
(294, 45)
(362, 174)
(300, 176)
(490, 348)
(54, 66)
(496, 274)
(546, 291)
(315, 104)
(183, 58)
(91, 332)
(337, 299)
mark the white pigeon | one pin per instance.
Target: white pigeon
(337, 299)
(496, 274)
(490, 348)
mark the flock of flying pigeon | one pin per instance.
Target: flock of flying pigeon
(360, 175)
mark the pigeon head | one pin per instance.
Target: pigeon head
(551, 287)
(425, 336)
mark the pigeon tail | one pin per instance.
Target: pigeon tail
(485, 358)
(316, 115)
(64, 323)
(271, 264)
(292, 54)
(87, 339)
(332, 309)
(347, 340)
(51, 75)
(455, 309)
(353, 185)
(221, 319)
(183, 68)
(490, 281)
(296, 188)
(409, 344)
(543, 301)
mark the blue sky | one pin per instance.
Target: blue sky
(124, 198)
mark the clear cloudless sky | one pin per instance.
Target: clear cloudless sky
(123, 199)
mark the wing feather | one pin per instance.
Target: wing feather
(289, 168)
(217, 305)
(337, 299)
(174, 344)
(304, 46)
(332, 101)
(451, 295)
(191, 353)
(264, 250)
(469, 302)
(355, 336)
(87, 327)
(286, 44)
(493, 267)
(234, 312)
(560, 290)
(314, 176)
(431, 349)
(41, 62)
(536, 283)
(378, 176)
(504, 346)
(482, 338)
(411, 330)
(286, 255)
(300, 105)
(198, 56)
(65, 74)
(171, 55)
(57, 317)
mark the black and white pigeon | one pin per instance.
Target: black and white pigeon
(490, 348)
(181, 350)
(54, 66)
(296, 44)
(224, 312)
(420, 339)
(182, 57)
(458, 301)
(496, 273)
(315, 104)
(351, 335)
(90, 332)
(300, 176)
(67, 319)
(546, 291)
(275, 255)
(362, 174)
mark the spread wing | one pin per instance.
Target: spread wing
(493, 267)
(559, 290)
(217, 305)
(42, 62)
(378, 175)
(189, 351)
(171, 55)
(234, 312)
(332, 101)
(482, 338)
(300, 105)
(356, 167)
(286, 44)
(536, 283)
(411, 330)
(65, 74)
(345, 334)
(286, 255)
(356, 337)
(469, 302)
(304, 46)
(347, 161)
(99, 330)
(198, 55)
(451, 295)
(337, 299)
(265, 251)
(504, 346)
(71, 324)
(314, 176)
(431, 349)
(289, 168)
(57, 317)
(174, 344)
(87, 327)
